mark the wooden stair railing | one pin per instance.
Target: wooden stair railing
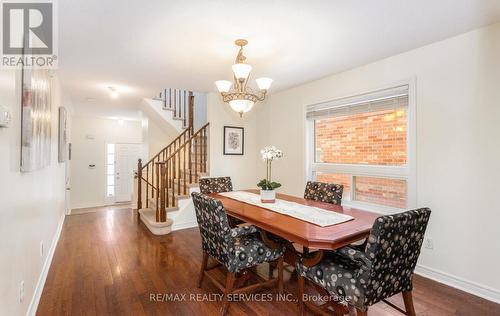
(183, 109)
(170, 179)
(191, 159)
(179, 101)
(167, 175)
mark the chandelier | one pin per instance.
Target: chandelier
(240, 97)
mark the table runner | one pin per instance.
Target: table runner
(311, 214)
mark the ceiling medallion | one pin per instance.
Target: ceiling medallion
(240, 97)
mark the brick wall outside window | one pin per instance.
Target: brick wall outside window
(375, 138)
(390, 192)
(343, 179)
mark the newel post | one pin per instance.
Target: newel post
(139, 184)
(163, 188)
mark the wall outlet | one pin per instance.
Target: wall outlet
(41, 248)
(21, 292)
(428, 243)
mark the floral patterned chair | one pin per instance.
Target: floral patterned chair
(324, 192)
(218, 185)
(383, 269)
(237, 249)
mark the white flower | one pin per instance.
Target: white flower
(271, 153)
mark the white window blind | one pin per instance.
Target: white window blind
(387, 99)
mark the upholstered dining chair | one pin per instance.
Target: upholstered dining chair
(216, 185)
(324, 192)
(383, 269)
(219, 185)
(237, 249)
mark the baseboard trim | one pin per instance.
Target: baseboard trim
(184, 225)
(35, 300)
(480, 290)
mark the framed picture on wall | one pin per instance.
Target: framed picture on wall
(234, 140)
(35, 119)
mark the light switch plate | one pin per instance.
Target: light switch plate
(5, 116)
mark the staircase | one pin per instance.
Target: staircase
(164, 183)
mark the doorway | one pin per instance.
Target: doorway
(121, 162)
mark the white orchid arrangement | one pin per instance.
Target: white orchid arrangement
(269, 154)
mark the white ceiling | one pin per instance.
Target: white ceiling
(141, 47)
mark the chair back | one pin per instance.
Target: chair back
(393, 248)
(213, 225)
(324, 192)
(216, 185)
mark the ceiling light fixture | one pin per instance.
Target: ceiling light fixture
(113, 93)
(241, 98)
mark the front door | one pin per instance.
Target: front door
(126, 156)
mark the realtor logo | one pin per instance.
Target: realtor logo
(28, 35)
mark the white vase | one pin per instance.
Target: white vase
(268, 196)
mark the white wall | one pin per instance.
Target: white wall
(156, 138)
(458, 127)
(242, 169)
(32, 204)
(88, 188)
(200, 110)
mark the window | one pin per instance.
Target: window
(110, 170)
(363, 142)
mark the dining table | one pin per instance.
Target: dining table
(298, 231)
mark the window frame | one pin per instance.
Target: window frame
(406, 172)
(109, 198)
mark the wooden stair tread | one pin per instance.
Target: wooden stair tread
(152, 205)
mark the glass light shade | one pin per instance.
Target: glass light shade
(249, 106)
(223, 85)
(264, 83)
(241, 106)
(241, 71)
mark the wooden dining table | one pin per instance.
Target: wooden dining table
(299, 231)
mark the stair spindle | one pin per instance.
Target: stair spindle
(139, 185)
(185, 116)
(189, 163)
(184, 173)
(179, 174)
(162, 211)
(173, 178)
(196, 156)
(180, 103)
(175, 104)
(157, 199)
(147, 186)
(167, 182)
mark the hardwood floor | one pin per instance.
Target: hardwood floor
(106, 263)
(84, 210)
